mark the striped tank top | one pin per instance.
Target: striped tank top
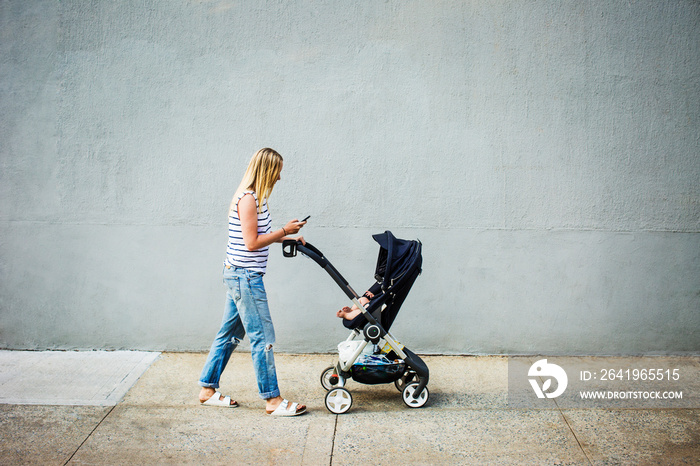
(237, 255)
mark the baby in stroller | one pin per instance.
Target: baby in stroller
(349, 313)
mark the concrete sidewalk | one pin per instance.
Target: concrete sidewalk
(466, 421)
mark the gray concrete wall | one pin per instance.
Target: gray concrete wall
(546, 153)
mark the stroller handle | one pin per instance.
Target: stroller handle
(290, 247)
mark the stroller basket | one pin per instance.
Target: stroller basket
(372, 370)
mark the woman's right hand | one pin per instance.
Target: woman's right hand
(293, 227)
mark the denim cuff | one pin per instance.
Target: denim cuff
(272, 394)
(208, 385)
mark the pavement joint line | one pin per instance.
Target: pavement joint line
(90, 434)
(335, 430)
(561, 413)
(583, 450)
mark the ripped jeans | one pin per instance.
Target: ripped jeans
(246, 312)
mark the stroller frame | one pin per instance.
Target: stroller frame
(338, 399)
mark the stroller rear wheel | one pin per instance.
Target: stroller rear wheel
(338, 401)
(417, 402)
(405, 379)
(329, 378)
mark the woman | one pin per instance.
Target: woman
(250, 235)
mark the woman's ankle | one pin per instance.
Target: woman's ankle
(205, 393)
(274, 402)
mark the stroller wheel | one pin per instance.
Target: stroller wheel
(401, 383)
(338, 401)
(418, 402)
(329, 379)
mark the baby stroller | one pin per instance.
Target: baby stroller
(385, 360)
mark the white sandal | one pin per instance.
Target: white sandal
(215, 400)
(283, 411)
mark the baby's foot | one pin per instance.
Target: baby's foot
(347, 313)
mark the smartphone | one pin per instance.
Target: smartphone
(307, 217)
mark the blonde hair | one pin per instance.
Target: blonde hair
(262, 174)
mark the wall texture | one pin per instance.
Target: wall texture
(546, 153)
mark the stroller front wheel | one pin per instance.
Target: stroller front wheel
(417, 402)
(338, 401)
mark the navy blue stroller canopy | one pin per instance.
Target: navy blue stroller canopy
(397, 257)
(398, 265)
